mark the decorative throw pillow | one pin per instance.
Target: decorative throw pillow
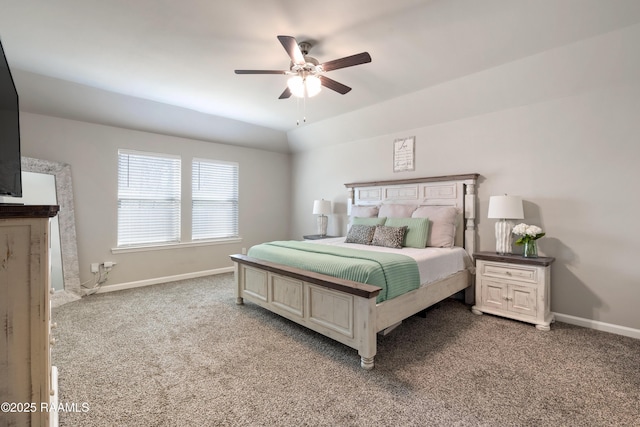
(390, 237)
(364, 211)
(362, 234)
(396, 211)
(417, 230)
(442, 227)
(369, 221)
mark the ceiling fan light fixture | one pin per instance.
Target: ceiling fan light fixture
(296, 85)
(301, 86)
(313, 85)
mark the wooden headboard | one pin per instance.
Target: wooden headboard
(451, 190)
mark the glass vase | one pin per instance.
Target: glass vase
(530, 249)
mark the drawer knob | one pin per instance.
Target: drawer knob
(52, 341)
(52, 291)
(54, 325)
(508, 273)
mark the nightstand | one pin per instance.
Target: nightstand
(317, 237)
(515, 287)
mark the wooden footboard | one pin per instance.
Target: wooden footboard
(342, 310)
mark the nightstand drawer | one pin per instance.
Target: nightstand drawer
(509, 272)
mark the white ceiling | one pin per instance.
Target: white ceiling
(86, 59)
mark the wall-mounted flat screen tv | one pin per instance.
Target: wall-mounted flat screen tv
(10, 170)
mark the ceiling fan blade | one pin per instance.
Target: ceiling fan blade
(334, 85)
(260, 72)
(293, 50)
(286, 94)
(347, 61)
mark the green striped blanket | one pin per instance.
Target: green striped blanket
(396, 274)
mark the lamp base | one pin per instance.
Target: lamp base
(503, 236)
(322, 225)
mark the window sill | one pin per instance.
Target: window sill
(196, 243)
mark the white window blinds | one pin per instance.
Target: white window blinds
(214, 199)
(148, 198)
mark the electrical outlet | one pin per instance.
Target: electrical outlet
(244, 251)
(108, 264)
(95, 267)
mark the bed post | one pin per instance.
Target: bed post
(365, 312)
(470, 216)
(350, 200)
(470, 231)
(237, 272)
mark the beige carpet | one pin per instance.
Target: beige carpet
(183, 354)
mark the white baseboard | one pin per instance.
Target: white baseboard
(597, 325)
(165, 279)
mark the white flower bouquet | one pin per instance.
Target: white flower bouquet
(528, 233)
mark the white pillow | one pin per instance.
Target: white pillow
(442, 227)
(396, 211)
(364, 211)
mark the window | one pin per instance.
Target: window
(214, 199)
(148, 198)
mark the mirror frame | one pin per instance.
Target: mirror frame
(66, 219)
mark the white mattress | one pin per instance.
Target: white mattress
(433, 263)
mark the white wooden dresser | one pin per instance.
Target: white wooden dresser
(515, 287)
(26, 385)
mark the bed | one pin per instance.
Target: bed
(354, 312)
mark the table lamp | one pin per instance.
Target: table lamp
(322, 208)
(505, 208)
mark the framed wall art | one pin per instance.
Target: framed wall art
(404, 154)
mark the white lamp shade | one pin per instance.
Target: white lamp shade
(301, 86)
(296, 86)
(313, 85)
(505, 207)
(321, 207)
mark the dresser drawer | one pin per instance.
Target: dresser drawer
(509, 271)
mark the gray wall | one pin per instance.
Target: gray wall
(91, 150)
(559, 129)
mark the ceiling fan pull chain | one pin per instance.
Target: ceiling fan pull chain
(297, 111)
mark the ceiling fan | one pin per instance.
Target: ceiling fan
(307, 74)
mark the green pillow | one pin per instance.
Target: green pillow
(417, 230)
(368, 221)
